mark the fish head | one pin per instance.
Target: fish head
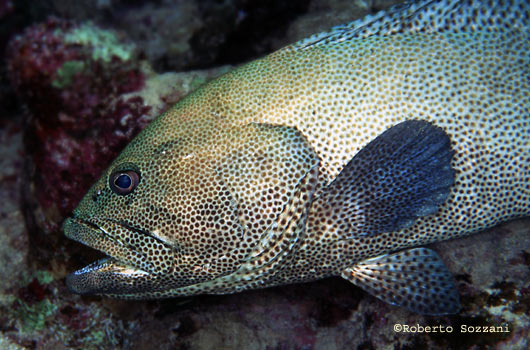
(163, 216)
(179, 208)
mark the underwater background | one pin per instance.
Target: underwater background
(79, 79)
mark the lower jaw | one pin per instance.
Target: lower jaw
(104, 276)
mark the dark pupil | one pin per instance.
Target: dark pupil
(123, 181)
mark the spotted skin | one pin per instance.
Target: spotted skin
(230, 176)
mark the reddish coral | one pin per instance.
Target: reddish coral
(33, 292)
(70, 162)
(78, 124)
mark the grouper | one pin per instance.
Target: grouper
(343, 154)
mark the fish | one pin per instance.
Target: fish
(343, 154)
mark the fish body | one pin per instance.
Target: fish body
(337, 155)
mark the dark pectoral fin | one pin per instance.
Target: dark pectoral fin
(416, 279)
(403, 174)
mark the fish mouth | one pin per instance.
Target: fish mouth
(126, 265)
(100, 277)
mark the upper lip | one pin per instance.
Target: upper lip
(96, 233)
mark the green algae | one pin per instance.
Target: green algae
(34, 317)
(104, 43)
(43, 276)
(66, 73)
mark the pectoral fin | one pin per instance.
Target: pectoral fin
(416, 279)
(403, 174)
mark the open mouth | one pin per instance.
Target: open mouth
(125, 267)
(96, 235)
(105, 276)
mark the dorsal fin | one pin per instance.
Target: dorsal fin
(429, 17)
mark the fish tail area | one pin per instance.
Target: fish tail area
(416, 279)
(403, 174)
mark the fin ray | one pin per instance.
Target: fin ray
(403, 174)
(416, 279)
(417, 17)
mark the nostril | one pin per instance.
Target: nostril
(95, 195)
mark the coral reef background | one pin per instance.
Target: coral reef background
(78, 79)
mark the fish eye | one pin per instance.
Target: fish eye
(124, 182)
